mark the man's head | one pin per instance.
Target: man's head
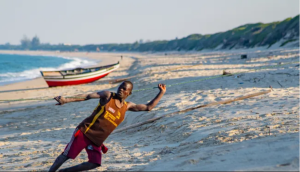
(125, 89)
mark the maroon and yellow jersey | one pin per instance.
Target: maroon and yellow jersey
(103, 120)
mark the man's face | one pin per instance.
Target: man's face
(124, 90)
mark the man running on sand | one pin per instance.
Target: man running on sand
(93, 130)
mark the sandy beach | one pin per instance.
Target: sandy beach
(258, 133)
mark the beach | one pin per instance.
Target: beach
(257, 133)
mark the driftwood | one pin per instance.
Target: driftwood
(243, 56)
(193, 108)
(279, 84)
(226, 73)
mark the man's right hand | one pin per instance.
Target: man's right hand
(61, 100)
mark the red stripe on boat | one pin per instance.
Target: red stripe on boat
(76, 82)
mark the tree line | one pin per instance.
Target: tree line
(245, 36)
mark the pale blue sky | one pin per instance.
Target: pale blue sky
(125, 21)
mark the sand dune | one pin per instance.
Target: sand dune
(259, 133)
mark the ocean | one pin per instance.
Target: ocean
(16, 68)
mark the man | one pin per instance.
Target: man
(93, 131)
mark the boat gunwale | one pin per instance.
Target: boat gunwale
(74, 79)
(101, 68)
(89, 74)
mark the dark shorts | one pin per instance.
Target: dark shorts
(79, 142)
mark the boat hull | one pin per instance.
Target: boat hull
(76, 79)
(75, 82)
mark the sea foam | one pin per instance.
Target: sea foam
(11, 77)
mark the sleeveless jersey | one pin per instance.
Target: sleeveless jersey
(104, 119)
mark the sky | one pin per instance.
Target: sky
(126, 21)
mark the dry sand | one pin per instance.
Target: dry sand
(234, 136)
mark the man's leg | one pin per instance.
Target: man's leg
(73, 148)
(94, 156)
(81, 167)
(58, 162)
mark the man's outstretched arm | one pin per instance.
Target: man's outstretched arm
(82, 97)
(149, 106)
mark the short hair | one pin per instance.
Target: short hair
(129, 82)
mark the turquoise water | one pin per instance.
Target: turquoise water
(16, 68)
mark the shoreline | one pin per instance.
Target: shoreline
(24, 89)
(92, 56)
(46, 54)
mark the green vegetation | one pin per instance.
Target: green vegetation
(287, 41)
(245, 36)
